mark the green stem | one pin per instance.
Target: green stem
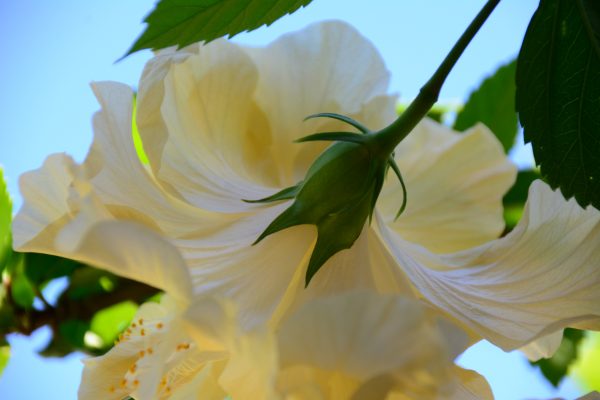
(393, 134)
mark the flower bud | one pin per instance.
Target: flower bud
(337, 195)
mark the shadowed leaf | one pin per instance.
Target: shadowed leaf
(557, 367)
(558, 95)
(493, 104)
(183, 22)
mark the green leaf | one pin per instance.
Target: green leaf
(74, 332)
(586, 369)
(519, 191)
(58, 347)
(7, 318)
(4, 354)
(22, 290)
(87, 282)
(111, 321)
(558, 95)
(40, 268)
(556, 367)
(182, 22)
(493, 103)
(69, 338)
(5, 218)
(514, 200)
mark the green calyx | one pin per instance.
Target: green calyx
(339, 192)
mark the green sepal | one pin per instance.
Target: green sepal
(337, 233)
(392, 163)
(333, 137)
(339, 191)
(379, 178)
(290, 217)
(337, 196)
(340, 117)
(285, 194)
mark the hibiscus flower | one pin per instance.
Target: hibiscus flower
(356, 349)
(218, 123)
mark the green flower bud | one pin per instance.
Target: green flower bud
(338, 194)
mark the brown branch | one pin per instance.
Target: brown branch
(68, 308)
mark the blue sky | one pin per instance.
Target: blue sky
(51, 51)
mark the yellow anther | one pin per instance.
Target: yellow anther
(133, 368)
(159, 325)
(123, 383)
(143, 332)
(183, 346)
(142, 353)
(150, 351)
(111, 389)
(136, 383)
(141, 321)
(133, 325)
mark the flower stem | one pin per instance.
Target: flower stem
(393, 134)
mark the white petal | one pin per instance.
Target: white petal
(542, 277)
(455, 183)
(256, 277)
(469, 386)
(251, 356)
(367, 265)
(118, 177)
(78, 226)
(364, 345)
(130, 250)
(326, 67)
(590, 396)
(543, 347)
(147, 361)
(93, 237)
(113, 172)
(45, 194)
(203, 386)
(194, 114)
(363, 334)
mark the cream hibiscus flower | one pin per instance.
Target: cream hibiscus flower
(356, 349)
(217, 124)
(346, 346)
(155, 358)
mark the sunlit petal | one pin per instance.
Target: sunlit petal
(364, 345)
(256, 276)
(455, 184)
(541, 277)
(118, 177)
(543, 347)
(45, 206)
(198, 127)
(326, 67)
